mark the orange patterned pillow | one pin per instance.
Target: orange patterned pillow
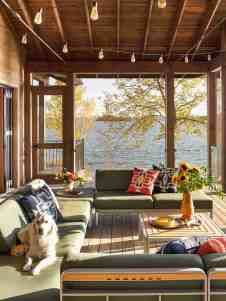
(143, 181)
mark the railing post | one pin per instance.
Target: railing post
(170, 120)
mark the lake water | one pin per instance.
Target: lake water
(105, 149)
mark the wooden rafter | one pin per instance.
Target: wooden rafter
(58, 20)
(118, 24)
(206, 25)
(178, 19)
(147, 28)
(28, 18)
(88, 23)
(8, 22)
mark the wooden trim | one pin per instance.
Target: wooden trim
(16, 138)
(2, 157)
(117, 67)
(170, 120)
(69, 124)
(223, 147)
(50, 145)
(28, 126)
(148, 24)
(177, 22)
(118, 24)
(52, 90)
(212, 114)
(133, 276)
(35, 135)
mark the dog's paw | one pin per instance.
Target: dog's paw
(27, 268)
(35, 271)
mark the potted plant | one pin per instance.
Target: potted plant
(190, 178)
(73, 180)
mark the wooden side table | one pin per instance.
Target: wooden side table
(153, 235)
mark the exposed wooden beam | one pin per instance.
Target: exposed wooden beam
(58, 20)
(117, 67)
(118, 24)
(31, 30)
(177, 22)
(148, 24)
(206, 25)
(88, 23)
(28, 18)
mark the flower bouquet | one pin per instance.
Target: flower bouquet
(73, 180)
(190, 178)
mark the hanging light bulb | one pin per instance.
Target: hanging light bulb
(161, 60)
(161, 3)
(133, 58)
(94, 16)
(186, 60)
(65, 48)
(101, 54)
(209, 57)
(38, 17)
(24, 39)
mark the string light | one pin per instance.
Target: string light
(101, 54)
(38, 17)
(65, 48)
(94, 16)
(186, 60)
(24, 39)
(161, 60)
(209, 57)
(161, 3)
(133, 58)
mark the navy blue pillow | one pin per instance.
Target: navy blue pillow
(39, 201)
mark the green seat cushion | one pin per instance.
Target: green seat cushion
(215, 260)
(74, 210)
(12, 218)
(102, 261)
(113, 179)
(99, 261)
(173, 200)
(122, 200)
(16, 285)
(71, 237)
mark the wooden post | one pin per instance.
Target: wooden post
(28, 126)
(68, 124)
(212, 114)
(170, 120)
(223, 117)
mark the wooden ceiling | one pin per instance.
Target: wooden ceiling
(123, 26)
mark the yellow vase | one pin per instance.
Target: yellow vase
(187, 207)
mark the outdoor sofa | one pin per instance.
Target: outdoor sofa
(84, 277)
(111, 196)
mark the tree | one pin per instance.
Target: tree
(143, 103)
(84, 113)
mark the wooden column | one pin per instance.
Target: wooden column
(223, 117)
(28, 126)
(212, 114)
(170, 120)
(68, 124)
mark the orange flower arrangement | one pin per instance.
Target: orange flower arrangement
(68, 177)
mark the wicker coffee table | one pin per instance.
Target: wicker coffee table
(152, 235)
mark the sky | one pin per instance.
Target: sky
(95, 88)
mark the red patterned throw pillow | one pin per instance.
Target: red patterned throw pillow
(143, 181)
(214, 245)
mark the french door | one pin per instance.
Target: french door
(47, 131)
(6, 138)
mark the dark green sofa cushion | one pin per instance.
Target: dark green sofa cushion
(173, 200)
(16, 285)
(71, 237)
(133, 261)
(113, 179)
(215, 260)
(74, 210)
(12, 218)
(122, 200)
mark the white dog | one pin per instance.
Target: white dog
(41, 238)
